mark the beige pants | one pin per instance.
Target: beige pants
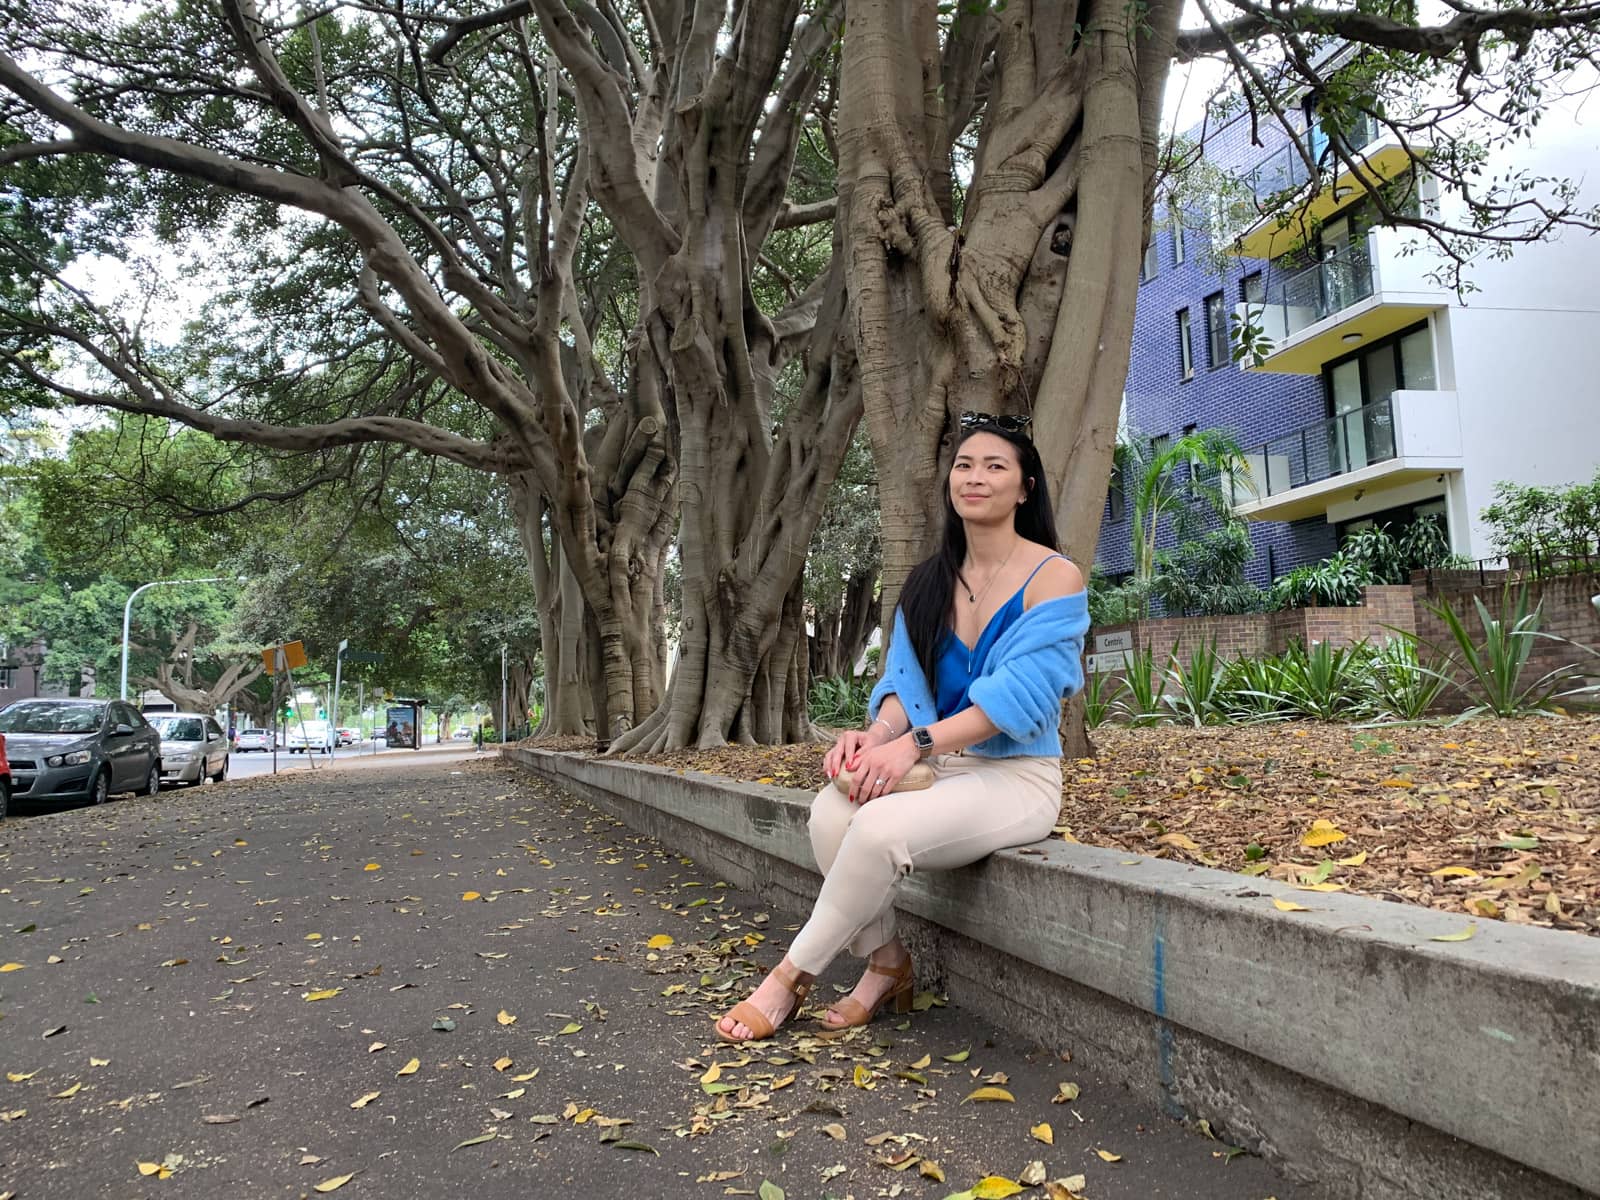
(975, 806)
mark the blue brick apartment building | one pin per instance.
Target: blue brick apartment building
(1383, 397)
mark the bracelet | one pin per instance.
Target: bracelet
(885, 724)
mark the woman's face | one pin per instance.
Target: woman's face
(986, 480)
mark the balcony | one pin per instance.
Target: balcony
(1404, 438)
(1290, 199)
(1366, 291)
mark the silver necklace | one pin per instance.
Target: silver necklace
(973, 599)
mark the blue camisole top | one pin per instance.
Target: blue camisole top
(959, 664)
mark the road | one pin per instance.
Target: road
(256, 763)
(439, 976)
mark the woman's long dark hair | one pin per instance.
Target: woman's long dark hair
(930, 588)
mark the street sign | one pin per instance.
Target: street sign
(283, 658)
(363, 656)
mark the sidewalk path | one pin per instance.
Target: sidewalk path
(438, 978)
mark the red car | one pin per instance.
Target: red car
(5, 779)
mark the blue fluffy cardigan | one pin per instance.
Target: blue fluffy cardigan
(1035, 663)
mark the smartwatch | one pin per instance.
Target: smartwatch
(923, 741)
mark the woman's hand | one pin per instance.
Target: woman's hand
(879, 768)
(851, 743)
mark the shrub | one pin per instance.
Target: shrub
(1490, 671)
(840, 702)
(1204, 576)
(1336, 582)
(1101, 692)
(1547, 529)
(1194, 692)
(1325, 683)
(1254, 689)
(1403, 687)
(1142, 702)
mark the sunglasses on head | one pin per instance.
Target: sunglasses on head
(972, 420)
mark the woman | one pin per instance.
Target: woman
(987, 640)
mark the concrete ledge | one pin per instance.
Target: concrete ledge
(1342, 1042)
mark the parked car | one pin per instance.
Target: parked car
(305, 736)
(193, 748)
(5, 780)
(79, 749)
(253, 739)
(348, 737)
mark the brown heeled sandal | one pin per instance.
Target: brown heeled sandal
(748, 1014)
(856, 1014)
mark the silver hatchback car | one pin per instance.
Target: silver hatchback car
(193, 747)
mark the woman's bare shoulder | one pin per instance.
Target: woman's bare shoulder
(1056, 576)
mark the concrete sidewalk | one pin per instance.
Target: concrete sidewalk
(235, 981)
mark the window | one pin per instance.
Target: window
(5, 678)
(1185, 346)
(1116, 498)
(1217, 331)
(1177, 234)
(1253, 288)
(1151, 263)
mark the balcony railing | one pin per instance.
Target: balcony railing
(1336, 446)
(1319, 291)
(1285, 171)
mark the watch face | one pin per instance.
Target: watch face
(922, 738)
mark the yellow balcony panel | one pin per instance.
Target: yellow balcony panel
(1281, 232)
(1306, 352)
(1314, 499)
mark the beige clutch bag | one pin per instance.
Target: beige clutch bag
(918, 777)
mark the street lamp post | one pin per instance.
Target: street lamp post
(505, 717)
(127, 616)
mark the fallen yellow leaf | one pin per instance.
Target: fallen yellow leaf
(1066, 1093)
(313, 937)
(1180, 840)
(410, 1068)
(713, 1073)
(471, 896)
(325, 994)
(991, 1093)
(922, 1062)
(1322, 833)
(1288, 906)
(370, 867)
(1454, 873)
(1042, 1132)
(660, 942)
(1355, 860)
(995, 1187)
(863, 1078)
(156, 1169)
(68, 1094)
(334, 1184)
(500, 1064)
(10, 967)
(1469, 931)
(20, 1076)
(1107, 1156)
(835, 1131)
(505, 1018)
(1065, 1189)
(931, 1170)
(365, 1100)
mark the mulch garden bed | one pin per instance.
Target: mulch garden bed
(1497, 819)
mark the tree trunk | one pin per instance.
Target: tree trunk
(840, 635)
(1028, 306)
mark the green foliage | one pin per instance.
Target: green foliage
(840, 703)
(1101, 693)
(1546, 530)
(1487, 665)
(1143, 702)
(1402, 685)
(1254, 688)
(1335, 582)
(1204, 576)
(1116, 604)
(1163, 482)
(1324, 683)
(1195, 690)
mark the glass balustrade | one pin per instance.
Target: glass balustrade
(1285, 169)
(1332, 447)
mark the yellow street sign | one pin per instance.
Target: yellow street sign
(288, 656)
